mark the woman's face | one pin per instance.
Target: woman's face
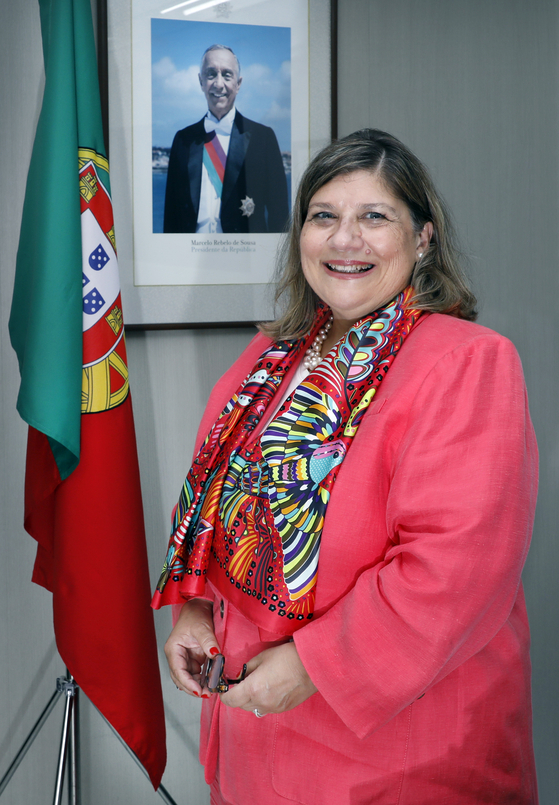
(358, 246)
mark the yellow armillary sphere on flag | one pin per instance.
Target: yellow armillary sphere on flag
(105, 374)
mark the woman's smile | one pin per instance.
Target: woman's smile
(348, 267)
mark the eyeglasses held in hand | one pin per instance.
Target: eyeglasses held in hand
(212, 678)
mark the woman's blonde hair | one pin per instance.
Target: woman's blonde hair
(438, 280)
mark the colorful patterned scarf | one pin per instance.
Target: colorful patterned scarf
(251, 511)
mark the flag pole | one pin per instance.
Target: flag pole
(67, 686)
(74, 765)
(69, 745)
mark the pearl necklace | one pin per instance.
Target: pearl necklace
(312, 356)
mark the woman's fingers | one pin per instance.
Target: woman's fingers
(184, 666)
(203, 633)
(190, 642)
(277, 681)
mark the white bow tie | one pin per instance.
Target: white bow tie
(220, 126)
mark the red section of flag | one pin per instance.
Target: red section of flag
(92, 557)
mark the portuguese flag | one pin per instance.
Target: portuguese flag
(82, 488)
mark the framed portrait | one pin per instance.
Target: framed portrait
(215, 109)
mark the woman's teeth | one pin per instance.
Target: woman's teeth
(349, 269)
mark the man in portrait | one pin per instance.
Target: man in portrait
(225, 172)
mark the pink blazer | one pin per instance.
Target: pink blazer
(419, 647)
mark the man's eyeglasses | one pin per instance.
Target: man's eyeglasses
(212, 677)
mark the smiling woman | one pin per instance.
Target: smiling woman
(355, 522)
(358, 247)
(437, 277)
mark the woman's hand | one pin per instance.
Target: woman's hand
(190, 642)
(276, 681)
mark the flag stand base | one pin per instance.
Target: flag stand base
(69, 745)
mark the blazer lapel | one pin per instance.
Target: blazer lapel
(195, 158)
(235, 157)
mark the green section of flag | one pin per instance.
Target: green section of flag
(46, 315)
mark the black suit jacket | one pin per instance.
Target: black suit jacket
(254, 168)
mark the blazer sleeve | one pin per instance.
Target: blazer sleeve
(172, 217)
(276, 200)
(459, 514)
(180, 213)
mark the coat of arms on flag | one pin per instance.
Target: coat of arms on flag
(105, 373)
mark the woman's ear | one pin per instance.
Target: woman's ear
(425, 237)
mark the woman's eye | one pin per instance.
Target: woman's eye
(374, 216)
(322, 216)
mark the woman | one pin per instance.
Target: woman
(355, 524)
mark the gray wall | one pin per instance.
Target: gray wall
(471, 86)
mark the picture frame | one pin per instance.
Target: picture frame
(157, 292)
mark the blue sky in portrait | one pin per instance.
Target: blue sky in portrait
(177, 99)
